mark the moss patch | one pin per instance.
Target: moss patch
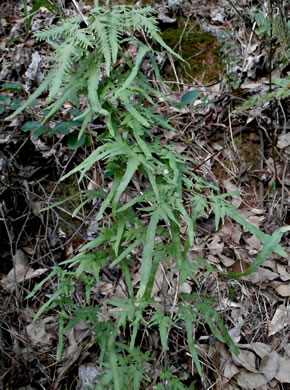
(248, 157)
(200, 50)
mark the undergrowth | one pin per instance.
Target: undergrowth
(150, 193)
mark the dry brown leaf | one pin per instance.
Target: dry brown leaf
(283, 141)
(230, 231)
(261, 275)
(246, 359)
(75, 337)
(283, 374)
(20, 274)
(287, 349)
(106, 289)
(216, 246)
(231, 187)
(254, 243)
(283, 290)
(185, 288)
(236, 236)
(235, 332)
(283, 272)
(255, 220)
(158, 280)
(240, 266)
(269, 365)
(38, 331)
(121, 290)
(169, 134)
(179, 147)
(250, 381)
(88, 374)
(280, 320)
(213, 259)
(227, 261)
(229, 370)
(20, 258)
(260, 349)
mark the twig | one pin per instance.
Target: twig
(80, 12)
(283, 189)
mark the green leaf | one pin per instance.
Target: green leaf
(133, 111)
(43, 86)
(101, 239)
(73, 141)
(141, 53)
(102, 37)
(4, 100)
(269, 247)
(28, 126)
(264, 238)
(125, 253)
(40, 131)
(159, 39)
(146, 265)
(61, 128)
(132, 166)
(190, 227)
(188, 316)
(39, 285)
(163, 322)
(120, 231)
(93, 84)
(115, 371)
(11, 86)
(190, 97)
(66, 53)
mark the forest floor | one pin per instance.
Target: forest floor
(245, 151)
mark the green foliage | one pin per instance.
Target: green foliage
(6, 103)
(163, 194)
(276, 28)
(229, 59)
(281, 91)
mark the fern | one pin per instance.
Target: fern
(103, 39)
(84, 39)
(67, 28)
(166, 195)
(65, 56)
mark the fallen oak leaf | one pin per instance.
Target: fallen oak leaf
(283, 374)
(20, 274)
(283, 290)
(269, 365)
(280, 320)
(250, 381)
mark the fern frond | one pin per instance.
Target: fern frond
(100, 28)
(142, 19)
(84, 39)
(52, 32)
(115, 31)
(64, 58)
(143, 49)
(93, 83)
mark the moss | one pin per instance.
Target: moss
(247, 158)
(249, 152)
(200, 50)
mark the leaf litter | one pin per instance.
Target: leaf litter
(254, 308)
